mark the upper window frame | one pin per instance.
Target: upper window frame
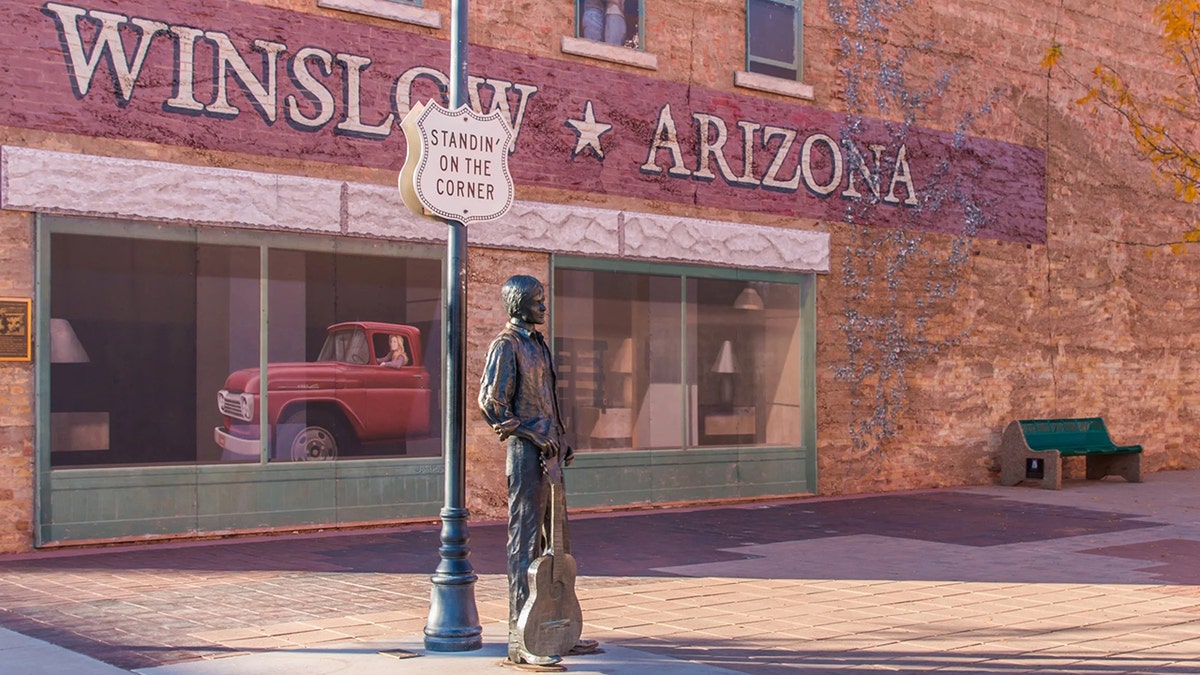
(641, 32)
(798, 28)
(577, 45)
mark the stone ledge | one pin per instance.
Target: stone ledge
(65, 183)
(89, 185)
(773, 85)
(606, 52)
(387, 9)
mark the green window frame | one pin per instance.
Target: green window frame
(641, 350)
(768, 24)
(135, 495)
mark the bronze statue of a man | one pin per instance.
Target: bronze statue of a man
(517, 397)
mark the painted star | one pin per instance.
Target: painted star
(589, 131)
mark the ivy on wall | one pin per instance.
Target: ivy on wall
(896, 281)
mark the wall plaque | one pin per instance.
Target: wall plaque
(15, 343)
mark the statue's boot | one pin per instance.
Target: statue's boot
(522, 656)
(584, 646)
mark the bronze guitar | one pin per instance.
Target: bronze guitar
(551, 621)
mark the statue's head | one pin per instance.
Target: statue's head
(524, 298)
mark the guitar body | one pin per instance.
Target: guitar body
(551, 621)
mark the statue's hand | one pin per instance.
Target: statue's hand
(506, 428)
(548, 445)
(568, 455)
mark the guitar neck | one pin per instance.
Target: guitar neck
(557, 525)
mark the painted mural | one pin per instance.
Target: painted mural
(284, 84)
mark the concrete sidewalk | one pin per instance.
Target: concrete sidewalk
(1100, 577)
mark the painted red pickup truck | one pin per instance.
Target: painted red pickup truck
(367, 386)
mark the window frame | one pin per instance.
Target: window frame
(123, 502)
(699, 471)
(641, 32)
(805, 281)
(797, 7)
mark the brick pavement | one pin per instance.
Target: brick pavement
(1096, 578)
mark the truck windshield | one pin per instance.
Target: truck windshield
(346, 346)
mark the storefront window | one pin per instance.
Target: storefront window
(350, 356)
(656, 361)
(744, 343)
(169, 336)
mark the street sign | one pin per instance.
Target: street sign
(457, 163)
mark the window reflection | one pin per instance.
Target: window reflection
(617, 343)
(145, 395)
(744, 351)
(173, 333)
(336, 389)
(632, 377)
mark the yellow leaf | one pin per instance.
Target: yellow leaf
(1053, 54)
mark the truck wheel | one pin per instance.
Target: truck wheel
(306, 436)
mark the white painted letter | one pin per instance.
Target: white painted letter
(404, 83)
(304, 78)
(353, 125)
(748, 129)
(263, 98)
(806, 164)
(184, 100)
(665, 138)
(108, 37)
(500, 100)
(715, 147)
(771, 179)
(902, 174)
(857, 163)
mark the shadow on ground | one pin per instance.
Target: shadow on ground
(631, 544)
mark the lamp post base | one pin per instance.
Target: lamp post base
(453, 624)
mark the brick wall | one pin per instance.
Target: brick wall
(16, 393)
(1097, 320)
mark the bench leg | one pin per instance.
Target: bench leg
(1014, 453)
(1053, 479)
(1128, 466)
(1012, 471)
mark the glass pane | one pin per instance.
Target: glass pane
(227, 311)
(773, 70)
(771, 31)
(617, 344)
(353, 356)
(744, 358)
(141, 333)
(617, 22)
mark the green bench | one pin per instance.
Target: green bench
(1033, 450)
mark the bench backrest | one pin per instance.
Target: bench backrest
(1085, 432)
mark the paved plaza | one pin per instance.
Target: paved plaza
(1099, 578)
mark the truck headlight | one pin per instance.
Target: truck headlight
(246, 403)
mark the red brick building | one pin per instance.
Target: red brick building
(789, 250)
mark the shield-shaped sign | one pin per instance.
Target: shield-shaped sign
(457, 163)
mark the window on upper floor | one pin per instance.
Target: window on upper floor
(616, 22)
(773, 38)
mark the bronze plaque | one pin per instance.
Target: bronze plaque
(15, 343)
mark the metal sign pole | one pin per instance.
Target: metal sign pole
(453, 624)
